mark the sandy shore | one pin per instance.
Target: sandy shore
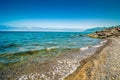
(103, 65)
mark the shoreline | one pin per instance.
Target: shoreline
(86, 63)
(61, 66)
(55, 69)
(96, 66)
(81, 73)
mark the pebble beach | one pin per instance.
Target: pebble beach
(103, 65)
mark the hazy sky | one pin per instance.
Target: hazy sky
(59, 13)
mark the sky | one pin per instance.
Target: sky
(60, 14)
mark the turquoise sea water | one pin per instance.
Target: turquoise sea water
(45, 55)
(14, 46)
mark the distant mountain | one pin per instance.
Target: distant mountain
(92, 30)
(9, 28)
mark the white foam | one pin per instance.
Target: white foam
(103, 42)
(50, 48)
(84, 48)
(96, 46)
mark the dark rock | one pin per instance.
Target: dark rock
(109, 32)
(80, 35)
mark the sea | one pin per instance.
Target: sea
(42, 55)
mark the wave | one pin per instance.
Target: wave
(39, 55)
(51, 48)
(94, 46)
(84, 48)
(104, 41)
(46, 52)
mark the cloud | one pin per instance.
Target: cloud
(56, 25)
(9, 28)
(74, 24)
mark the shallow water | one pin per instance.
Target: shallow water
(28, 53)
(23, 43)
(54, 69)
